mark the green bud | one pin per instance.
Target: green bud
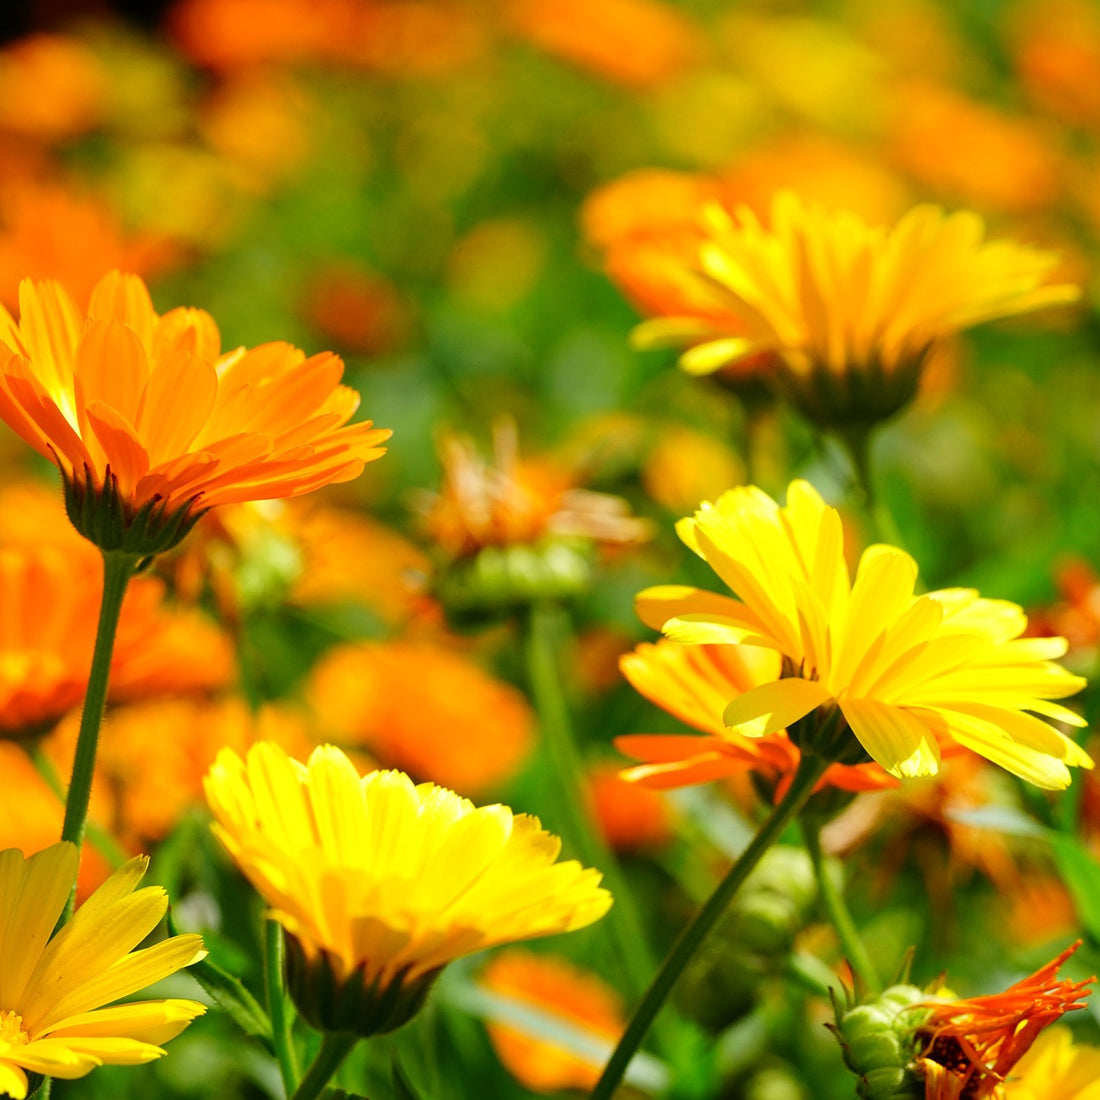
(878, 1041)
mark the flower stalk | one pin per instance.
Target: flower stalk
(833, 900)
(809, 772)
(335, 1047)
(274, 956)
(118, 568)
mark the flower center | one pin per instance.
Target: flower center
(12, 1033)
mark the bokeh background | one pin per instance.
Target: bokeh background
(461, 197)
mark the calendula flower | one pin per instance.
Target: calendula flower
(1056, 1068)
(967, 1048)
(511, 531)
(696, 684)
(425, 708)
(852, 310)
(150, 424)
(380, 882)
(51, 598)
(901, 672)
(957, 1049)
(571, 998)
(53, 987)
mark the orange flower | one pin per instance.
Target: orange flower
(50, 87)
(426, 709)
(516, 501)
(566, 994)
(629, 816)
(47, 632)
(696, 683)
(153, 756)
(969, 1047)
(33, 815)
(972, 153)
(355, 308)
(146, 418)
(50, 231)
(640, 43)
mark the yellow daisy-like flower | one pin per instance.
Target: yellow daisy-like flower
(1055, 1068)
(52, 989)
(905, 671)
(852, 310)
(151, 424)
(379, 882)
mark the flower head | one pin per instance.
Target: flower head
(902, 672)
(572, 999)
(151, 424)
(380, 882)
(696, 683)
(852, 310)
(52, 988)
(912, 1042)
(969, 1047)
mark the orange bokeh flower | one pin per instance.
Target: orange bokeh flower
(153, 756)
(51, 231)
(696, 683)
(630, 817)
(47, 632)
(639, 43)
(970, 1046)
(569, 996)
(426, 709)
(151, 425)
(51, 87)
(516, 501)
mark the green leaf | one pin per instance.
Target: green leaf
(403, 1088)
(1081, 873)
(230, 995)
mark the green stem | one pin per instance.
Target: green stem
(857, 441)
(335, 1047)
(274, 951)
(810, 770)
(839, 917)
(545, 636)
(118, 568)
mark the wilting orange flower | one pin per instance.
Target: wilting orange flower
(47, 632)
(514, 501)
(629, 816)
(51, 231)
(1076, 615)
(568, 996)
(640, 43)
(125, 401)
(426, 709)
(50, 87)
(969, 1047)
(696, 683)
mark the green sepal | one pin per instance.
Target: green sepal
(352, 1004)
(105, 518)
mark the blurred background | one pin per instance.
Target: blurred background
(469, 200)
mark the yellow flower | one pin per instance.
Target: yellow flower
(852, 310)
(1055, 1068)
(151, 425)
(380, 882)
(904, 671)
(52, 989)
